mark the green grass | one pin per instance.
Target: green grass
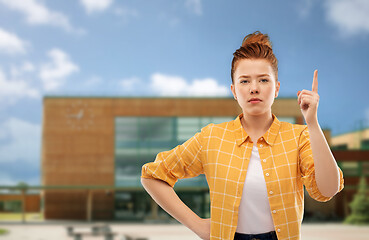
(18, 217)
(3, 231)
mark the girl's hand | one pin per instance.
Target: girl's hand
(203, 229)
(309, 101)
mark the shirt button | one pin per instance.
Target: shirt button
(261, 145)
(274, 211)
(278, 230)
(264, 160)
(267, 174)
(271, 192)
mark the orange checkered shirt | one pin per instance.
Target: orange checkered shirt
(222, 152)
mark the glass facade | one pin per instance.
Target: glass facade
(11, 206)
(137, 141)
(340, 147)
(365, 144)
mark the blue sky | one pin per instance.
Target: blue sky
(169, 48)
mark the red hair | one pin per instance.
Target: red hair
(255, 46)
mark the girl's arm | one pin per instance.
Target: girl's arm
(165, 196)
(326, 170)
(327, 173)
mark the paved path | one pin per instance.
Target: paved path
(324, 231)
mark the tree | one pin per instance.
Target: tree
(359, 205)
(22, 184)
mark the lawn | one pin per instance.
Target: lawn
(18, 217)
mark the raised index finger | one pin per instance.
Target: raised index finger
(315, 82)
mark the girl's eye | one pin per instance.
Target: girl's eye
(265, 80)
(244, 81)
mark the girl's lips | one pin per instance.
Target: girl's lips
(255, 101)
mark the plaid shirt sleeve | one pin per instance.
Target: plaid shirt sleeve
(306, 162)
(183, 161)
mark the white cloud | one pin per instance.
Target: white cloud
(351, 17)
(194, 6)
(18, 72)
(11, 43)
(37, 14)
(92, 6)
(166, 85)
(22, 141)
(207, 87)
(53, 74)
(28, 67)
(14, 89)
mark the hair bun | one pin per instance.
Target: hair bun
(257, 37)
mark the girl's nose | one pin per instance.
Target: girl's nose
(254, 91)
(254, 88)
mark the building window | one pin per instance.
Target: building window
(365, 144)
(365, 168)
(139, 139)
(340, 147)
(350, 168)
(11, 206)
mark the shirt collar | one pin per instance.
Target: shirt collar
(269, 136)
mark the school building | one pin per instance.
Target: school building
(93, 149)
(356, 140)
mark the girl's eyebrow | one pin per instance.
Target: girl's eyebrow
(260, 75)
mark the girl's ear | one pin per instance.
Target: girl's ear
(277, 88)
(233, 91)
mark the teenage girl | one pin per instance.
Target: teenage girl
(255, 166)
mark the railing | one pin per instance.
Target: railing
(90, 195)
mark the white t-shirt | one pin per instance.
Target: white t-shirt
(254, 215)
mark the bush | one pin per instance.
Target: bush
(3, 231)
(359, 206)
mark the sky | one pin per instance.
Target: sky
(170, 48)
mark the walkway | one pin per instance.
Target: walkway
(324, 231)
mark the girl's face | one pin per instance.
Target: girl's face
(255, 78)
